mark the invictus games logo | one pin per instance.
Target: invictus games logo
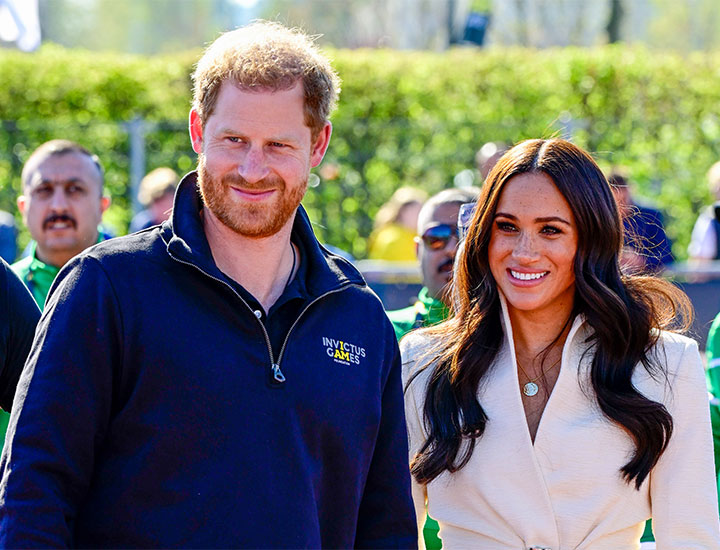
(343, 352)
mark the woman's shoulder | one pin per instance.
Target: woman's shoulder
(678, 357)
(417, 349)
(672, 346)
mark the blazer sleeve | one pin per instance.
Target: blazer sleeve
(416, 432)
(683, 490)
(61, 410)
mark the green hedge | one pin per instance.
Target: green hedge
(405, 118)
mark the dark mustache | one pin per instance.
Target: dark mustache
(52, 218)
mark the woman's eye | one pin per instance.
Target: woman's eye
(505, 226)
(551, 230)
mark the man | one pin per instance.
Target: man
(219, 380)
(157, 190)
(17, 328)
(487, 156)
(435, 248)
(647, 248)
(62, 205)
(705, 239)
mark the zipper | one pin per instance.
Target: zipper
(297, 320)
(277, 374)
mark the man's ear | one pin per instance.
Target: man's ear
(196, 131)
(21, 202)
(321, 144)
(104, 203)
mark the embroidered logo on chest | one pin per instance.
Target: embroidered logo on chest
(343, 352)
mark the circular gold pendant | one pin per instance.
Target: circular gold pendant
(530, 389)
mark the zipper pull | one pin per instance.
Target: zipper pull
(277, 373)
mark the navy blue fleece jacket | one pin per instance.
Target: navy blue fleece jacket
(147, 415)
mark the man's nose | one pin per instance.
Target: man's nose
(59, 202)
(452, 246)
(253, 166)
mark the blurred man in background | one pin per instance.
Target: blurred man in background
(647, 248)
(705, 240)
(487, 156)
(156, 193)
(435, 246)
(62, 206)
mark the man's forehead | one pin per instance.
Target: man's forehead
(62, 168)
(444, 212)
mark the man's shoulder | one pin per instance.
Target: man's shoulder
(22, 267)
(142, 243)
(403, 320)
(648, 213)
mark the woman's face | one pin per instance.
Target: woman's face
(533, 242)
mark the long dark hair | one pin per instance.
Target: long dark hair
(622, 310)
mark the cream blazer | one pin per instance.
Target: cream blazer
(565, 491)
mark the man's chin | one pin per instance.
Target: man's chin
(61, 246)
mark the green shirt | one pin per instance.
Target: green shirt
(37, 275)
(712, 354)
(425, 312)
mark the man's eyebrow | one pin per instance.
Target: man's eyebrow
(53, 182)
(278, 138)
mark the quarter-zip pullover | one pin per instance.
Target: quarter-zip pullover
(154, 410)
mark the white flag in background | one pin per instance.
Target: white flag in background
(20, 24)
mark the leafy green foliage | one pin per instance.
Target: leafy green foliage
(405, 118)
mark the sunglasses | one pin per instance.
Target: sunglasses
(438, 236)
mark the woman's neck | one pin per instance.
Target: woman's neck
(533, 334)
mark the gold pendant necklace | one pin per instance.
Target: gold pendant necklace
(530, 388)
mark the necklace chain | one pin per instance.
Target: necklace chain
(530, 388)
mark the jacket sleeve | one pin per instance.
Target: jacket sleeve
(386, 518)
(61, 410)
(21, 315)
(683, 489)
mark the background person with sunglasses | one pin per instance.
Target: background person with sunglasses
(435, 248)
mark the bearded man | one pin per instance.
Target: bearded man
(228, 382)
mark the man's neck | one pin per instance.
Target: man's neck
(261, 265)
(55, 259)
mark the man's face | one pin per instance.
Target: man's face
(622, 196)
(255, 156)
(437, 256)
(63, 205)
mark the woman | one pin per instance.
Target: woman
(553, 411)
(395, 227)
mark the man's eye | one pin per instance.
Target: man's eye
(43, 191)
(233, 139)
(277, 144)
(75, 189)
